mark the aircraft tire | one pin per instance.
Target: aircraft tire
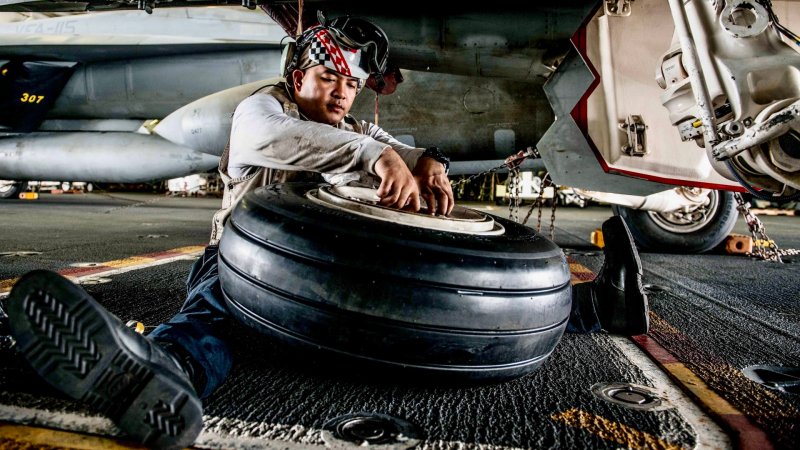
(12, 190)
(658, 232)
(393, 296)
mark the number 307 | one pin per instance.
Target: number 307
(31, 98)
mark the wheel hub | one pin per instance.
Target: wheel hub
(364, 202)
(688, 220)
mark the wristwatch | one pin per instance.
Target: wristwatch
(435, 153)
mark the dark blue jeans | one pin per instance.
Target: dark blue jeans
(198, 327)
(583, 316)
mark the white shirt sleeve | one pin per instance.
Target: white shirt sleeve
(263, 135)
(409, 154)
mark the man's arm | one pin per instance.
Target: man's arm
(429, 175)
(410, 154)
(263, 135)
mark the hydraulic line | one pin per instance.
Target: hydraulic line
(756, 193)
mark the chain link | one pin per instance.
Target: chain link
(536, 204)
(539, 202)
(511, 163)
(515, 188)
(763, 247)
(553, 213)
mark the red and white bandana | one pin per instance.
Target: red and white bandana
(326, 51)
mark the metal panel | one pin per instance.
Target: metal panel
(153, 88)
(564, 148)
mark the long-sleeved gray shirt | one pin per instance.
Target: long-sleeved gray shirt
(264, 135)
(271, 139)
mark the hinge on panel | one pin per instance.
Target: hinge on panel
(619, 8)
(634, 128)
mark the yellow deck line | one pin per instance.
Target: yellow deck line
(688, 379)
(26, 437)
(126, 264)
(700, 389)
(612, 431)
(748, 433)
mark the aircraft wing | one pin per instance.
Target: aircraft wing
(81, 92)
(49, 6)
(148, 73)
(517, 42)
(568, 54)
(103, 36)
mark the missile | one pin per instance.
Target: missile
(205, 124)
(189, 140)
(119, 157)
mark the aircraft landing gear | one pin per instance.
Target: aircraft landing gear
(12, 189)
(690, 230)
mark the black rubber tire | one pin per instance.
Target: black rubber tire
(14, 190)
(653, 237)
(467, 306)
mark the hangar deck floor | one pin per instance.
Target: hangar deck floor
(712, 315)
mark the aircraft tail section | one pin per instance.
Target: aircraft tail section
(28, 89)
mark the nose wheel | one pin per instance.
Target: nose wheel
(690, 230)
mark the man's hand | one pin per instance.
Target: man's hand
(398, 187)
(434, 186)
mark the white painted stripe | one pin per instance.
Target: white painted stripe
(59, 419)
(237, 434)
(131, 268)
(220, 432)
(708, 434)
(454, 445)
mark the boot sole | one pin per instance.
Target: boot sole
(83, 351)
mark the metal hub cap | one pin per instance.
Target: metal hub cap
(689, 219)
(364, 202)
(20, 253)
(370, 429)
(94, 280)
(652, 288)
(779, 378)
(627, 395)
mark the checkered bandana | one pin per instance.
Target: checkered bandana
(324, 50)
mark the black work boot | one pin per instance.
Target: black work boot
(87, 353)
(617, 293)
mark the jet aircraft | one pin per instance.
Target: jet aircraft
(587, 67)
(573, 81)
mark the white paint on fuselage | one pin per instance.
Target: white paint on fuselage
(163, 26)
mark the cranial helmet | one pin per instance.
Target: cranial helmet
(351, 46)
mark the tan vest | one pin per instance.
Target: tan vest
(236, 188)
